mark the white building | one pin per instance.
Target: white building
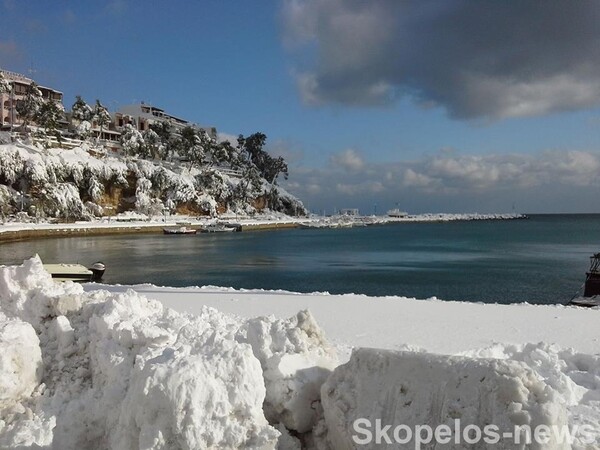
(141, 116)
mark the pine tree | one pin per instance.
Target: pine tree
(168, 139)
(192, 146)
(49, 115)
(81, 111)
(154, 148)
(101, 116)
(132, 141)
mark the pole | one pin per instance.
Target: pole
(12, 112)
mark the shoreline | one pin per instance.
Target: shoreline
(76, 230)
(22, 231)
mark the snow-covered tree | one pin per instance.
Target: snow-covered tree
(11, 167)
(168, 138)
(143, 199)
(212, 183)
(61, 200)
(249, 185)
(222, 153)
(154, 148)
(101, 116)
(189, 146)
(83, 130)
(95, 189)
(132, 141)
(81, 111)
(49, 115)
(5, 85)
(28, 108)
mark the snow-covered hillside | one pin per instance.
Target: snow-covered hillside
(84, 182)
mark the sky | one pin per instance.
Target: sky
(428, 105)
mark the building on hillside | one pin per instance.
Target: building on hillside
(141, 116)
(8, 100)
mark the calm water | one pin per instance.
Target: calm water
(540, 260)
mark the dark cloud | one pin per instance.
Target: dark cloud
(475, 58)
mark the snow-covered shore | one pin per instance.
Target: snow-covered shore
(106, 367)
(133, 223)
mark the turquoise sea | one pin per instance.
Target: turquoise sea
(539, 260)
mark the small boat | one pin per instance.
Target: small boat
(69, 272)
(179, 230)
(218, 228)
(591, 290)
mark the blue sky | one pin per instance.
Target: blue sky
(369, 101)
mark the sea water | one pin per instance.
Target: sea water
(539, 260)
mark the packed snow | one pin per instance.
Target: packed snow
(416, 389)
(99, 366)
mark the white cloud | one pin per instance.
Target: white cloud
(349, 160)
(366, 187)
(459, 180)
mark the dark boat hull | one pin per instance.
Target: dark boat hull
(592, 285)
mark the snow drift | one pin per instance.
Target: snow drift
(415, 389)
(101, 370)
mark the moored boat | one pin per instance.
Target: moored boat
(217, 228)
(591, 290)
(179, 230)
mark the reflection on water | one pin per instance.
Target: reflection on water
(538, 260)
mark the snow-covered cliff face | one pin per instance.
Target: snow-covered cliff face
(80, 184)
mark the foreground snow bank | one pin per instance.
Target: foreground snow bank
(20, 361)
(296, 359)
(416, 389)
(101, 370)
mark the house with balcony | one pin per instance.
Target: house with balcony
(9, 100)
(141, 116)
